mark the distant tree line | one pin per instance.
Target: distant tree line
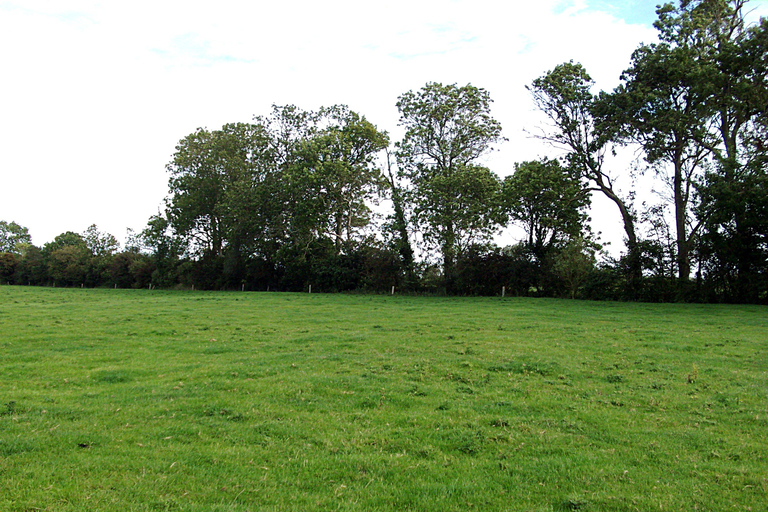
(295, 198)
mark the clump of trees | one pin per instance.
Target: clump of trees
(290, 199)
(91, 258)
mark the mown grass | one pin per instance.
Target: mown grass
(139, 400)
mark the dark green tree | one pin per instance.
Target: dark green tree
(455, 202)
(574, 263)
(13, 237)
(8, 263)
(207, 174)
(66, 239)
(398, 227)
(272, 193)
(334, 178)
(103, 247)
(564, 96)
(662, 107)
(100, 244)
(733, 206)
(69, 264)
(549, 200)
(164, 248)
(33, 267)
(687, 98)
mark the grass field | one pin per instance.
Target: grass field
(139, 400)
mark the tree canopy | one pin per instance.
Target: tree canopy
(299, 198)
(456, 202)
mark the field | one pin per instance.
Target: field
(147, 400)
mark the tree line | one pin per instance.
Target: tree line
(295, 198)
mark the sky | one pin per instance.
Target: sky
(94, 96)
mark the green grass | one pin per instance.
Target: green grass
(139, 400)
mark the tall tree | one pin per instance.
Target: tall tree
(274, 190)
(205, 171)
(164, 248)
(733, 195)
(660, 107)
(681, 96)
(399, 226)
(549, 200)
(8, 264)
(68, 258)
(564, 95)
(66, 239)
(197, 186)
(13, 237)
(103, 247)
(455, 201)
(100, 244)
(335, 175)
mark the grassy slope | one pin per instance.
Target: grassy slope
(137, 400)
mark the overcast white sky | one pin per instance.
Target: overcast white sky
(95, 95)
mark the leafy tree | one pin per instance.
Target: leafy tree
(8, 263)
(120, 268)
(681, 95)
(100, 244)
(661, 107)
(564, 95)
(334, 177)
(102, 247)
(549, 200)
(733, 194)
(659, 254)
(203, 169)
(12, 236)
(219, 204)
(399, 228)
(66, 239)
(33, 267)
(273, 189)
(164, 248)
(455, 200)
(574, 264)
(69, 265)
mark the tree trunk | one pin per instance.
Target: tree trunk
(449, 259)
(635, 269)
(400, 225)
(683, 244)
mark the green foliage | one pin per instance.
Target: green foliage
(674, 102)
(66, 239)
(334, 178)
(205, 172)
(13, 237)
(100, 244)
(735, 240)
(574, 263)
(549, 200)
(273, 189)
(32, 268)
(286, 201)
(69, 265)
(8, 264)
(455, 202)
(564, 95)
(130, 269)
